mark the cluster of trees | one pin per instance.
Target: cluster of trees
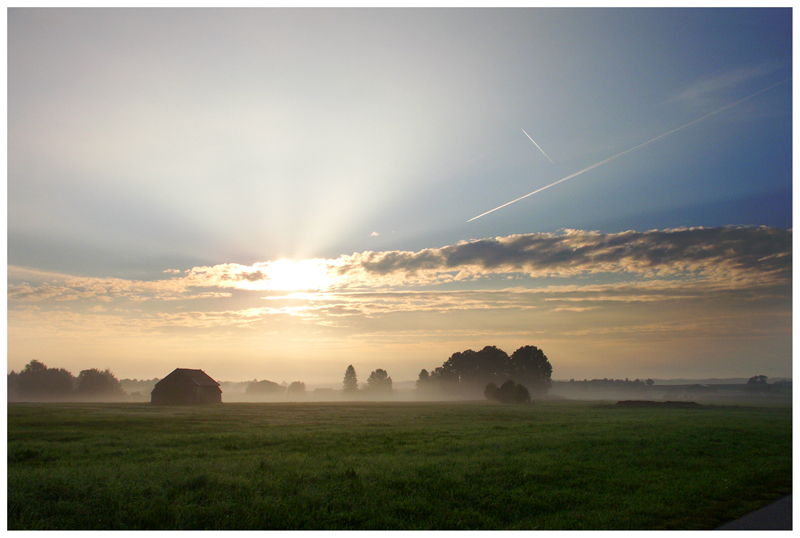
(270, 387)
(378, 383)
(264, 387)
(38, 382)
(508, 392)
(467, 373)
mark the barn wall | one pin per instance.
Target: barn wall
(179, 394)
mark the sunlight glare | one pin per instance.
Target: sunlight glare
(303, 275)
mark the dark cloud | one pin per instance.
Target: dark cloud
(252, 277)
(732, 249)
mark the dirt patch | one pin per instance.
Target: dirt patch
(650, 403)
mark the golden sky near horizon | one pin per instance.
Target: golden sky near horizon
(607, 305)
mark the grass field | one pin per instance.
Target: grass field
(474, 465)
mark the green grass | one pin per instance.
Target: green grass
(478, 465)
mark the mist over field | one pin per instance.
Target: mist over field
(38, 383)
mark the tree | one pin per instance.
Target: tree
(12, 380)
(350, 383)
(521, 394)
(296, 387)
(466, 373)
(36, 379)
(379, 382)
(264, 387)
(509, 392)
(506, 392)
(95, 383)
(650, 382)
(423, 380)
(757, 380)
(471, 367)
(530, 365)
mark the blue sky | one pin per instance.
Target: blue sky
(143, 144)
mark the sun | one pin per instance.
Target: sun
(303, 275)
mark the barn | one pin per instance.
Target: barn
(185, 386)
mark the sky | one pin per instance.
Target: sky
(279, 193)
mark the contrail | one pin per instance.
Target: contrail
(629, 150)
(538, 146)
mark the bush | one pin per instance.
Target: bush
(521, 394)
(509, 392)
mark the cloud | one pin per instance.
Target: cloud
(374, 234)
(711, 253)
(719, 258)
(636, 289)
(70, 288)
(708, 88)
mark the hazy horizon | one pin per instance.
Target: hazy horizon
(278, 193)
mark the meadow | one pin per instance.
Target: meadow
(393, 465)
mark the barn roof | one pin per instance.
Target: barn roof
(187, 376)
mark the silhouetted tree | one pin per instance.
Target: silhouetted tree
(36, 379)
(264, 387)
(471, 367)
(757, 380)
(650, 382)
(296, 387)
(93, 382)
(490, 391)
(468, 372)
(423, 381)
(509, 392)
(427, 385)
(350, 383)
(530, 365)
(506, 392)
(12, 380)
(521, 394)
(445, 379)
(379, 382)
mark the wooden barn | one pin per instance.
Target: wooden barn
(185, 386)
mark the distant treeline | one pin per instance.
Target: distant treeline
(615, 384)
(270, 387)
(37, 382)
(469, 374)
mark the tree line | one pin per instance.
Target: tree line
(490, 373)
(38, 382)
(270, 387)
(605, 383)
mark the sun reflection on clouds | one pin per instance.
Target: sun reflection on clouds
(675, 286)
(303, 275)
(282, 275)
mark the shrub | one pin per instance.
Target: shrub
(509, 392)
